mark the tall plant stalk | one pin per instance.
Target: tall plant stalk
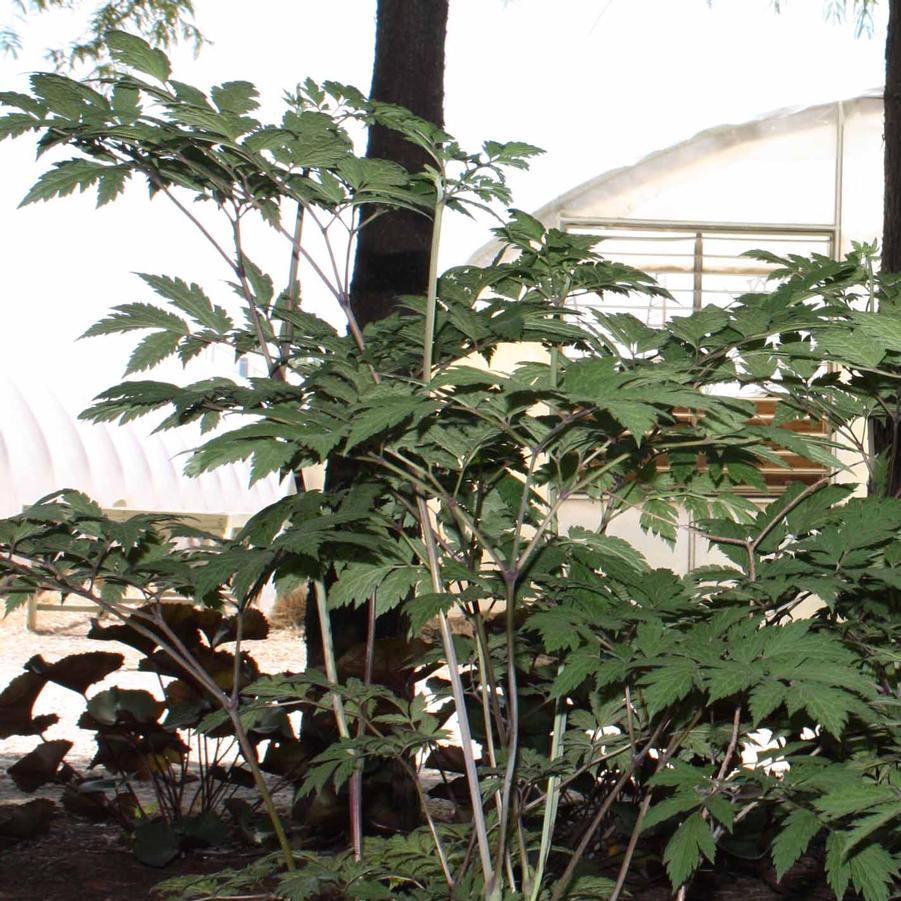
(428, 536)
(431, 309)
(551, 801)
(458, 692)
(552, 797)
(331, 673)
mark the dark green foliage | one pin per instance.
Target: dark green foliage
(40, 765)
(611, 700)
(16, 702)
(157, 843)
(77, 672)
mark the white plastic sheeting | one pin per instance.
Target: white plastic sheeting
(45, 447)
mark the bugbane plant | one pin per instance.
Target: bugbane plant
(601, 706)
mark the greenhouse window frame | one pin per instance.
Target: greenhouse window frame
(801, 470)
(700, 229)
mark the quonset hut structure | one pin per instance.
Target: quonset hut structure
(44, 448)
(797, 181)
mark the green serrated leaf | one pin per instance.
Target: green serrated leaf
(670, 807)
(110, 185)
(396, 586)
(190, 299)
(765, 698)
(799, 829)
(828, 706)
(133, 316)
(421, 609)
(636, 417)
(151, 350)
(136, 53)
(838, 871)
(556, 629)
(15, 124)
(857, 797)
(268, 457)
(874, 873)
(577, 667)
(611, 546)
(853, 348)
(390, 412)
(238, 97)
(727, 680)
(63, 179)
(881, 815)
(668, 684)
(683, 851)
(357, 583)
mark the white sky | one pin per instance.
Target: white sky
(597, 84)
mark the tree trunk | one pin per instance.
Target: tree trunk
(392, 254)
(392, 259)
(891, 218)
(885, 434)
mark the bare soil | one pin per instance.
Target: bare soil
(76, 860)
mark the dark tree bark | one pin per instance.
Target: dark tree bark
(885, 434)
(392, 259)
(891, 217)
(392, 255)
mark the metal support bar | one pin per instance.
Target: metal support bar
(827, 229)
(698, 271)
(839, 177)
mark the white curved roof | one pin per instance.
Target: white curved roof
(779, 168)
(45, 447)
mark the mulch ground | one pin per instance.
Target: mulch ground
(76, 860)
